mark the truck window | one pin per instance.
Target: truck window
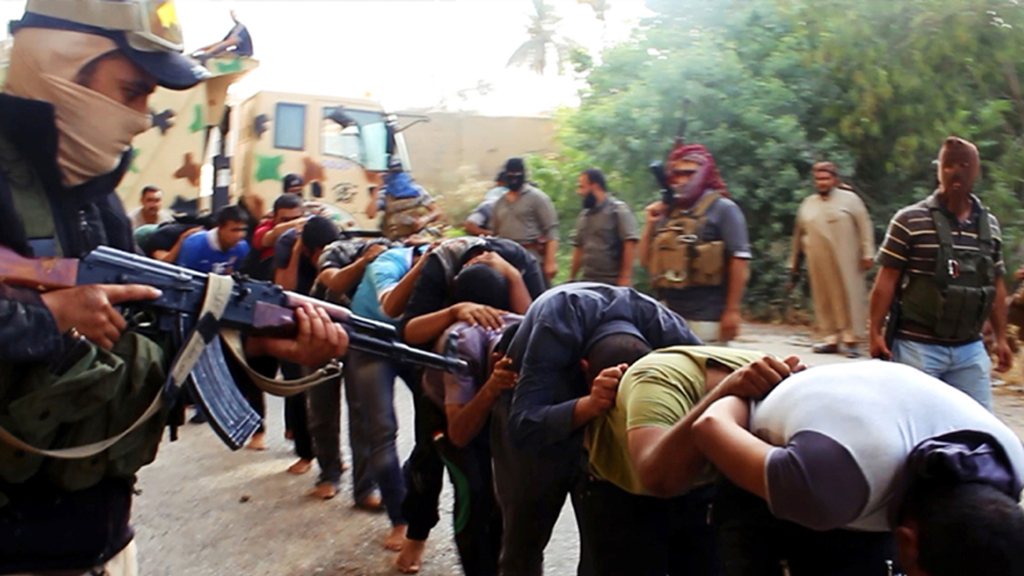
(364, 142)
(290, 126)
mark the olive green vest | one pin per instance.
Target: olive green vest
(97, 396)
(954, 303)
(679, 259)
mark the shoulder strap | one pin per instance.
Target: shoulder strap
(984, 227)
(30, 200)
(942, 229)
(705, 204)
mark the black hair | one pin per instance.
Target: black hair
(500, 178)
(287, 201)
(291, 180)
(319, 232)
(232, 213)
(965, 528)
(595, 176)
(482, 284)
(612, 350)
(149, 188)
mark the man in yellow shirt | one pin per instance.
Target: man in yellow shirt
(648, 501)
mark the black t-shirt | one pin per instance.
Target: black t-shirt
(164, 237)
(432, 291)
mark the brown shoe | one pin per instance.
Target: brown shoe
(825, 348)
(301, 466)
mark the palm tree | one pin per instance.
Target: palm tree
(543, 40)
(599, 6)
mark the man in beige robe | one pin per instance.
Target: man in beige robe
(833, 231)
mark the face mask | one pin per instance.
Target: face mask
(94, 130)
(589, 201)
(686, 195)
(515, 182)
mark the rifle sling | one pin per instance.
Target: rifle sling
(233, 339)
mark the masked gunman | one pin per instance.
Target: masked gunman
(408, 208)
(943, 257)
(834, 232)
(526, 216)
(697, 250)
(76, 94)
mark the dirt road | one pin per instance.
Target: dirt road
(206, 511)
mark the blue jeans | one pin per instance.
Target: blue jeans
(965, 367)
(370, 391)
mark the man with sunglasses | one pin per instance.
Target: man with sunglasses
(76, 94)
(697, 250)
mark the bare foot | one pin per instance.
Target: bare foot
(257, 442)
(410, 558)
(371, 503)
(395, 540)
(324, 491)
(300, 467)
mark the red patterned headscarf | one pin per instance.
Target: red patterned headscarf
(707, 176)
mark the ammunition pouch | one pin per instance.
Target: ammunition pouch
(100, 395)
(679, 259)
(954, 303)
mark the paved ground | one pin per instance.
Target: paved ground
(207, 511)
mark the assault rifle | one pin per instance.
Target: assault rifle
(658, 171)
(254, 307)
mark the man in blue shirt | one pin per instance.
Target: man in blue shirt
(370, 388)
(220, 250)
(570, 352)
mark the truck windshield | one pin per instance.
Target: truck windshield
(365, 142)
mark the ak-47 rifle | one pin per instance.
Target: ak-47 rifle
(254, 307)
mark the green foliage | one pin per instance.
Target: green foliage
(771, 86)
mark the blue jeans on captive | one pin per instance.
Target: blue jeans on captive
(965, 367)
(370, 392)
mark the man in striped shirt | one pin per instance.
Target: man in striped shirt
(945, 255)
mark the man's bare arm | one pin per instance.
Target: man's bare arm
(882, 294)
(721, 435)
(626, 269)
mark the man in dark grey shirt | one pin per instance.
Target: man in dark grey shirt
(606, 234)
(526, 215)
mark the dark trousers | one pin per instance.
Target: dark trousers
(295, 414)
(648, 536)
(323, 413)
(531, 489)
(753, 542)
(475, 518)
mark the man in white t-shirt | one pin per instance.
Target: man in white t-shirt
(151, 211)
(854, 451)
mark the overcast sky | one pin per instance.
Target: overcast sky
(405, 53)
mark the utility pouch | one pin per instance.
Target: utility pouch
(678, 257)
(97, 397)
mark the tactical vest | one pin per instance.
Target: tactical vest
(400, 215)
(956, 301)
(679, 258)
(92, 395)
